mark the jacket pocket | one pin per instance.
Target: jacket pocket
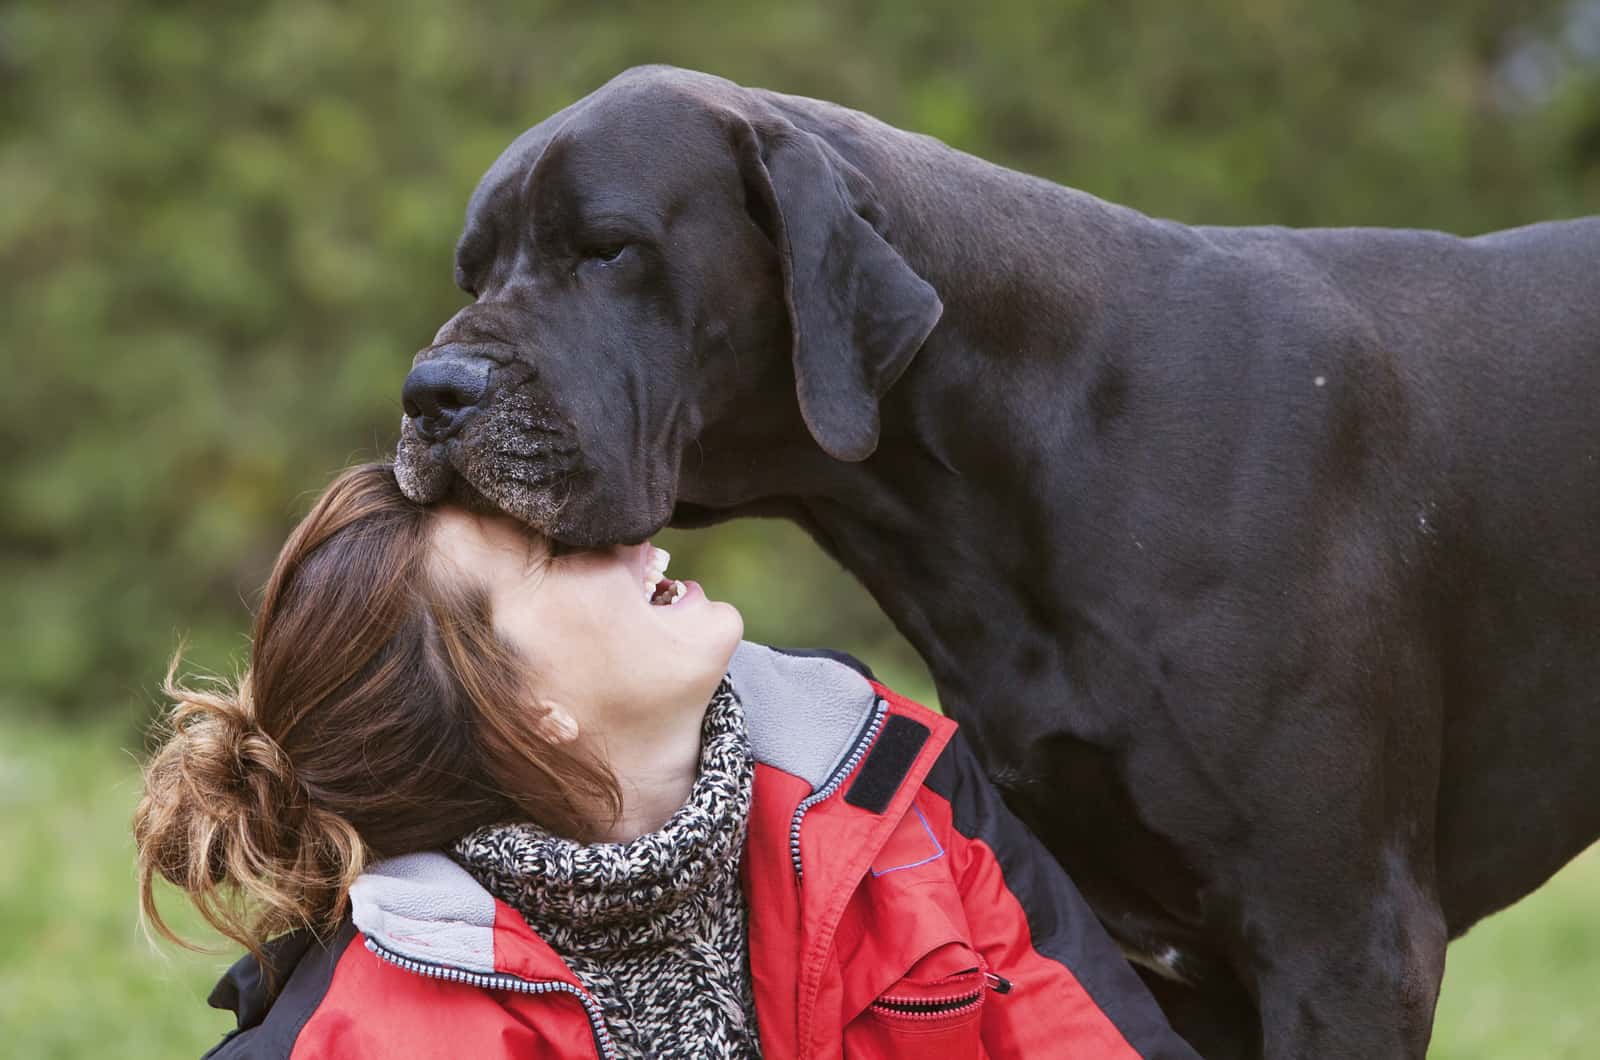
(934, 1012)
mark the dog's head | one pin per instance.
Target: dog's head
(667, 254)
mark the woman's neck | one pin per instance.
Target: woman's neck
(656, 766)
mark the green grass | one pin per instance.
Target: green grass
(1523, 983)
(77, 978)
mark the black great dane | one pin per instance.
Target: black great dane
(1262, 566)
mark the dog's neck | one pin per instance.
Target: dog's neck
(1026, 264)
(945, 524)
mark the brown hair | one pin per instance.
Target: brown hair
(380, 714)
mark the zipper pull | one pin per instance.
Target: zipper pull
(998, 983)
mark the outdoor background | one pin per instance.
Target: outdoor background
(225, 228)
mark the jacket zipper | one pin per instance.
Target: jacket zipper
(503, 981)
(880, 712)
(931, 1008)
(923, 1009)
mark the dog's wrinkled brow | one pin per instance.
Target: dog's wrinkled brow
(473, 254)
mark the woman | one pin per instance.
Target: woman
(482, 795)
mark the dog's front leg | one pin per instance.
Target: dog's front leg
(1338, 918)
(1356, 974)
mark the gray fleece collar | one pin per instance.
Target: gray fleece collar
(803, 714)
(426, 907)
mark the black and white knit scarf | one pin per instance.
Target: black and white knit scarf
(654, 928)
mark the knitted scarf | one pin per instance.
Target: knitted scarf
(654, 928)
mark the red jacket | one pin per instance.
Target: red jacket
(896, 908)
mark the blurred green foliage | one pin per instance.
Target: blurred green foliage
(224, 228)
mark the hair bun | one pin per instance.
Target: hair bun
(225, 819)
(228, 766)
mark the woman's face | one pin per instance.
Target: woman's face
(601, 652)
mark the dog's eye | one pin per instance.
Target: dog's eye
(606, 253)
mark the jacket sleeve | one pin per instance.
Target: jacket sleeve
(1069, 985)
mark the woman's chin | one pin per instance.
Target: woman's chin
(729, 623)
(696, 619)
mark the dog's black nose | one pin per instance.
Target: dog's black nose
(438, 394)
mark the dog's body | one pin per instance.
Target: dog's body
(1260, 564)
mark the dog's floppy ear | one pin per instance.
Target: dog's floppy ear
(857, 311)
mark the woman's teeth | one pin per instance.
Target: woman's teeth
(671, 594)
(658, 588)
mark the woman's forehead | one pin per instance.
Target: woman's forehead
(473, 538)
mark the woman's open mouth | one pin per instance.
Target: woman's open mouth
(660, 590)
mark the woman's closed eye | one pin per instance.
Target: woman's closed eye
(541, 551)
(560, 550)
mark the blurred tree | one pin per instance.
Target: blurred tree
(224, 228)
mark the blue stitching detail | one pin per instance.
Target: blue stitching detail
(935, 856)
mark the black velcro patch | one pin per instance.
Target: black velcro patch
(887, 764)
